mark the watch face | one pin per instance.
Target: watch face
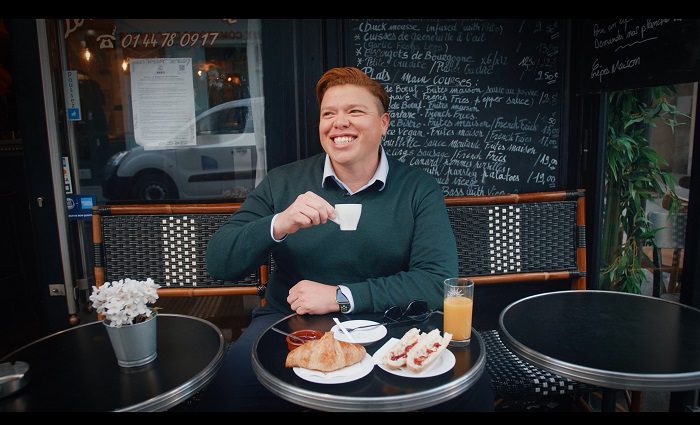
(340, 297)
(342, 301)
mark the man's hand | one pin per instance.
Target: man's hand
(309, 297)
(307, 210)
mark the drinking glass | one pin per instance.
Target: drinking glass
(458, 305)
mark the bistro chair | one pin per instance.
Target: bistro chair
(511, 242)
(166, 242)
(671, 236)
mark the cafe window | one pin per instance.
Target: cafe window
(647, 188)
(167, 109)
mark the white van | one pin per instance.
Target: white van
(221, 165)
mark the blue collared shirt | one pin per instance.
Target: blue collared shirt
(379, 175)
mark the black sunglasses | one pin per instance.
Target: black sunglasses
(415, 310)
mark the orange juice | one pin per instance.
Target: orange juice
(458, 317)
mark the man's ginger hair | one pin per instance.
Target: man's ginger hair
(351, 75)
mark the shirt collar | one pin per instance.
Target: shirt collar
(379, 175)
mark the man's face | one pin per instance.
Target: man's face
(351, 126)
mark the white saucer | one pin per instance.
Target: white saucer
(340, 376)
(361, 336)
(443, 364)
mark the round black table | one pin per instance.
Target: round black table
(76, 370)
(378, 391)
(611, 339)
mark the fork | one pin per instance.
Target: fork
(367, 326)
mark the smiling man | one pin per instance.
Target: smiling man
(402, 250)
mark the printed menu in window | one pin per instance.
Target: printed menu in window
(162, 98)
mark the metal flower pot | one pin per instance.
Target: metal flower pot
(134, 345)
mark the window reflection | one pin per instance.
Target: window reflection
(229, 155)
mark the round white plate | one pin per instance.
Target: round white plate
(340, 376)
(443, 364)
(362, 336)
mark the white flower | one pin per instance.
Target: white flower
(125, 301)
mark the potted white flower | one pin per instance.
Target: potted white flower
(130, 319)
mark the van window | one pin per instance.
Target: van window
(225, 158)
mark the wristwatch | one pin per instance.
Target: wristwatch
(342, 300)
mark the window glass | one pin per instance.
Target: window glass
(647, 175)
(168, 109)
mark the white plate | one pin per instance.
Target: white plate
(444, 363)
(362, 336)
(340, 376)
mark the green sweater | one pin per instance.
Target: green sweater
(402, 250)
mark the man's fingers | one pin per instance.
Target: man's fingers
(322, 206)
(311, 213)
(307, 210)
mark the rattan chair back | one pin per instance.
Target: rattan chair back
(521, 238)
(168, 244)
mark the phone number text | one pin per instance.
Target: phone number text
(168, 39)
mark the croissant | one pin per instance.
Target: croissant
(326, 354)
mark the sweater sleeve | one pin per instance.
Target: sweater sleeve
(240, 245)
(433, 258)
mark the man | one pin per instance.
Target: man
(402, 250)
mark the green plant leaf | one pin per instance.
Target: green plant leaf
(633, 121)
(634, 175)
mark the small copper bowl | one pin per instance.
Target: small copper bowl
(304, 334)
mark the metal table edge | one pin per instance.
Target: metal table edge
(406, 402)
(600, 377)
(182, 392)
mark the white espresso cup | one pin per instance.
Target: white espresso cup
(347, 215)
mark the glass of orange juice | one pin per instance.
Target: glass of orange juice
(459, 300)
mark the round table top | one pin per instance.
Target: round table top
(379, 390)
(611, 339)
(76, 369)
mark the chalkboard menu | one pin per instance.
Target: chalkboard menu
(475, 103)
(627, 53)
